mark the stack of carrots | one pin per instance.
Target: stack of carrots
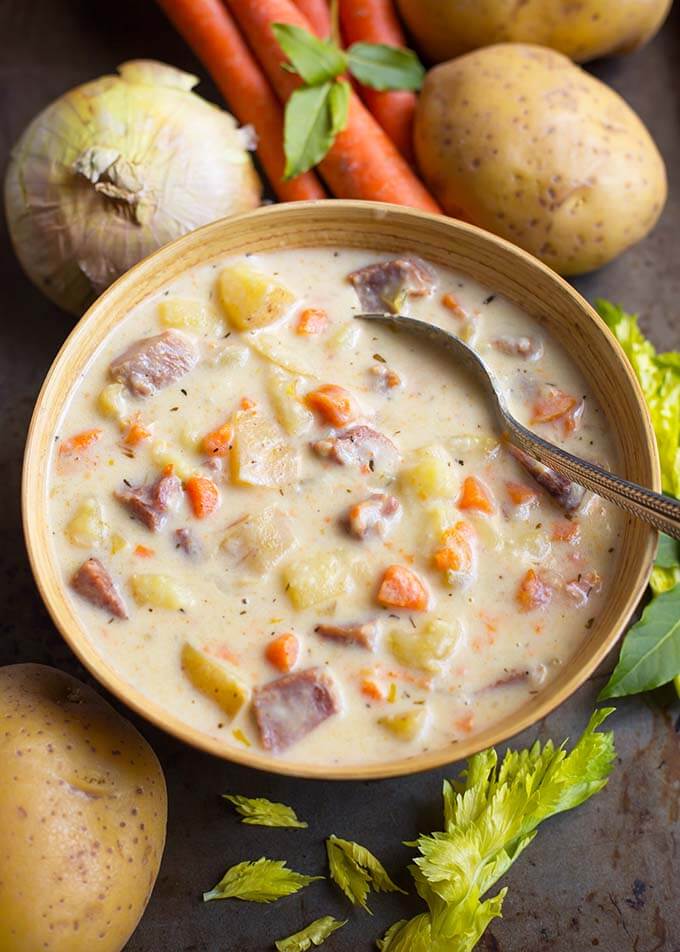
(371, 158)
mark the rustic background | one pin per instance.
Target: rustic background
(605, 877)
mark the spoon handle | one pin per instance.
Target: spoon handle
(660, 511)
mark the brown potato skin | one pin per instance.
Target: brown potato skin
(83, 811)
(519, 140)
(583, 31)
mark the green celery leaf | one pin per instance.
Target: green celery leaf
(412, 935)
(356, 870)
(662, 580)
(385, 67)
(650, 655)
(261, 881)
(315, 934)
(309, 129)
(668, 554)
(316, 61)
(257, 811)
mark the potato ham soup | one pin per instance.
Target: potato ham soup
(299, 532)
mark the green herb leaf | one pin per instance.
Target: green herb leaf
(668, 553)
(257, 811)
(262, 881)
(356, 870)
(650, 655)
(315, 933)
(308, 131)
(338, 101)
(316, 61)
(385, 67)
(412, 935)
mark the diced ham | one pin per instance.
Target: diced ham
(566, 494)
(530, 348)
(150, 504)
(360, 446)
(152, 363)
(535, 676)
(374, 516)
(384, 286)
(286, 710)
(354, 633)
(94, 583)
(580, 588)
(187, 542)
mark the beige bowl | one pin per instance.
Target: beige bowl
(493, 262)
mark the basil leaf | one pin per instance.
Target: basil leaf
(316, 61)
(668, 554)
(338, 101)
(385, 67)
(257, 811)
(314, 116)
(262, 881)
(650, 655)
(315, 933)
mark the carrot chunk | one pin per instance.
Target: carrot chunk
(334, 404)
(313, 320)
(551, 404)
(475, 495)
(566, 530)
(219, 441)
(451, 303)
(456, 552)
(371, 689)
(520, 494)
(203, 494)
(135, 432)
(283, 652)
(79, 442)
(533, 592)
(246, 403)
(402, 588)
(144, 552)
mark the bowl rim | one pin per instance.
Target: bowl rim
(159, 716)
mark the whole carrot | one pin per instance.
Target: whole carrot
(319, 15)
(375, 21)
(215, 39)
(363, 162)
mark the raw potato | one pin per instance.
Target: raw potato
(211, 678)
(584, 30)
(83, 810)
(525, 144)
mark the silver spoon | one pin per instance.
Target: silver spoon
(660, 511)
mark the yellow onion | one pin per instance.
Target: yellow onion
(116, 168)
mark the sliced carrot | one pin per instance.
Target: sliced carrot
(402, 588)
(551, 404)
(203, 494)
(450, 302)
(533, 592)
(372, 690)
(456, 552)
(79, 442)
(521, 494)
(313, 320)
(168, 469)
(566, 530)
(219, 441)
(334, 404)
(283, 652)
(475, 495)
(143, 551)
(245, 403)
(466, 723)
(135, 432)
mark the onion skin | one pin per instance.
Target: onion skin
(116, 168)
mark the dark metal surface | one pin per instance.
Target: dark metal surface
(604, 877)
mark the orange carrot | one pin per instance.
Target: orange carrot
(283, 651)
(402, 588)
(375, 21)
(218, 442)
(203, 494)
(79, 442)
(565, 530)
(334, 404)
(363, 162)
(533, 592)
(313, 320)
(456, 553)
(551, 404)
(319, 15)
(371, 689)
(144, 552)
(214, 37)
(450, 302)
(475, 495)
(520, 494)
(135, 432)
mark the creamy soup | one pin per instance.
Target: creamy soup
(299, 532)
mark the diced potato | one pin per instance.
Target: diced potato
(407, 725)
(429, 649)
(160, 591)
(190, 315)
(318, 578)
(431, 475)
(191, 438)
(346, 337)
(213, 679)
(111, 401)
(486, 446)
(260, 456)
(272, 348)
(439, 516)
(117, 543)
(87, 527)
(251, 298)
(291, 413)
(164, 455)
(222, 353)
(259, 541)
